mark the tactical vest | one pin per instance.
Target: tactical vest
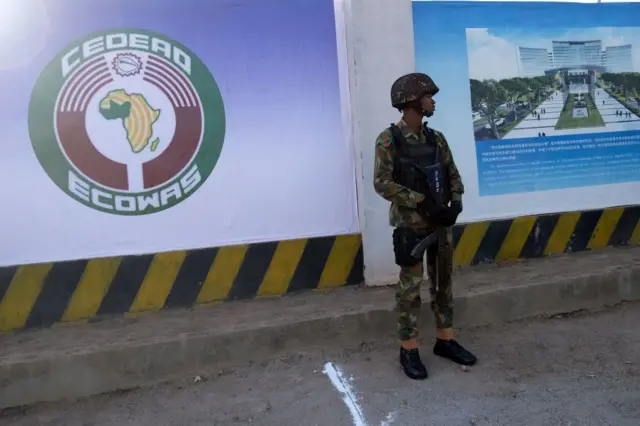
(419, 166)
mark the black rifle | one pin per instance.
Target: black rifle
(434, 190)
(424, 244)
(439, 234)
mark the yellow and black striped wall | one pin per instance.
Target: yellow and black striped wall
(41, 295)
(543, 235)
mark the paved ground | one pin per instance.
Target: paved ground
(577, 370)
(530, 126)
(608, 105)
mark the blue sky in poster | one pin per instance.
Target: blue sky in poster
(441, 44)
(451, 54)
(492, 51)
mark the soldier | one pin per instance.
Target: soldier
(415, 212)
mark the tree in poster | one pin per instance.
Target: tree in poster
(627, 83)
(486, 97)
(535, 90)
(515, 88)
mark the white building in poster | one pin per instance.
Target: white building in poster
(575, 54)
(618, 58)
(534, 61)
(569, 54)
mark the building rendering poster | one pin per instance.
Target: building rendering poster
(553, 103)
(567, 116)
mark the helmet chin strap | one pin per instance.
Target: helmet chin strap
(421, 111)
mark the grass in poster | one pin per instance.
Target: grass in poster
(568, 121)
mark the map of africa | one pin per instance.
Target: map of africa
(136, 114)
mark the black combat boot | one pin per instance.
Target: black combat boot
(452, 350)
(412, 365)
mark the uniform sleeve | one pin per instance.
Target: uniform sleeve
(455, 180)
(383, 176)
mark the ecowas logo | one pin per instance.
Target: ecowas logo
(127, 122)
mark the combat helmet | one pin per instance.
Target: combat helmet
(411, 87)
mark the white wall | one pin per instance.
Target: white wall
(380, 49)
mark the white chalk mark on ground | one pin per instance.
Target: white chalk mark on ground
(391, 417)
(348, 396)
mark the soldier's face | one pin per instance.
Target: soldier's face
(428, 105)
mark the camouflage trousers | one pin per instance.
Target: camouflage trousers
(439, 262)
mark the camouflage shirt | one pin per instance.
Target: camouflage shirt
(402, 212)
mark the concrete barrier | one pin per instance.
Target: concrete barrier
(41, 295)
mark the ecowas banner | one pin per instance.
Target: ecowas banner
(540, 101)
(151, 125)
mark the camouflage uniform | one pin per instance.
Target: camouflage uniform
(403, 214)
(408, 166)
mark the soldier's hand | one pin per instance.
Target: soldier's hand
(428, 210)
(450, 217)
(456, 208)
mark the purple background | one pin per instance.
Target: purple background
(286, 168)
(248, 47)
